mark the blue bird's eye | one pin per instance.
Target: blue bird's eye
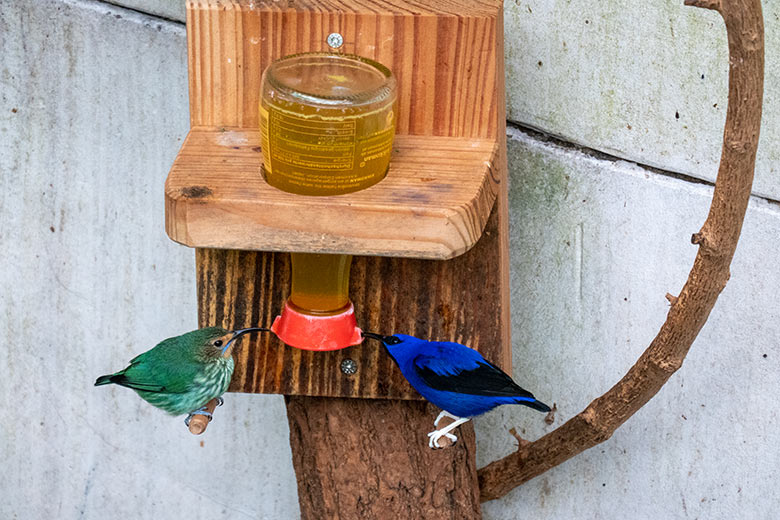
(218, 343)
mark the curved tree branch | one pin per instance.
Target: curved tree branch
(717, 241)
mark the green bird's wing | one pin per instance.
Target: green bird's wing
(169, 367)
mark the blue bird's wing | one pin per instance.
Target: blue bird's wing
(474, 376)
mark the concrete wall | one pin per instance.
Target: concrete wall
(93, 108)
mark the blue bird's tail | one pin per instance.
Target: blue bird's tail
(533, 403)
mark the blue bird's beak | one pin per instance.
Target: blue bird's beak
(387, 341)
(373, 335)
(240, 332)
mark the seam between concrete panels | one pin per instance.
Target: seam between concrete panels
(522, 133)
(539, 135)
(137, 11)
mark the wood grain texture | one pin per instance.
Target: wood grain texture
(369, 459)
(434, 202)
(454, 300)
(447, 56)
(442, 52)
(504, 354)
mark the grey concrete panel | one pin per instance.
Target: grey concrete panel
(644, 81)
(595, 246)
(93, 107)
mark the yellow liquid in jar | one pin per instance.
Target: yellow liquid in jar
(320, 282)
(317, 151)
(327, 123)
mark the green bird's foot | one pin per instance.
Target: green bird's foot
(220, 401)
(199, 411)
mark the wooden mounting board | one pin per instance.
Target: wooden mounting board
(447, 300)
(447, 56)
(433, 203)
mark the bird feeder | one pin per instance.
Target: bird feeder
(419, 246)
(327, 122)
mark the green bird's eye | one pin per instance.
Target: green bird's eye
(218, 343)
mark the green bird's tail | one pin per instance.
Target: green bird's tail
(121, 379)
(105, 380)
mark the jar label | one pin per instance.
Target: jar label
(325, 155)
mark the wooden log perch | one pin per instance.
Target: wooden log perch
(369, 459)
(199, 423)
(717, 241)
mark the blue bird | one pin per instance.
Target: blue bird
(454, 377)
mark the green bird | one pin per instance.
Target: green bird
(181, 374)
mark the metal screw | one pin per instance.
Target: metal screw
(335, 40)
(348, 367)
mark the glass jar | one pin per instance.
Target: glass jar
(327, 123)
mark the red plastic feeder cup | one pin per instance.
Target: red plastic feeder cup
(317, 332)
(318, 314)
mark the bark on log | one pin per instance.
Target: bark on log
(717, 241)
(367, 458)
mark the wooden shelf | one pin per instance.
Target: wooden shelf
(433, 204)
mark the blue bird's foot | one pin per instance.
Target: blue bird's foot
(199, 411)
(434, 436)
(444, 414)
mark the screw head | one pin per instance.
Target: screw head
(335, 40)
(348, 367)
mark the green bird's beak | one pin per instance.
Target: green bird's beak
(237, 334)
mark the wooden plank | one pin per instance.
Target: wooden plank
(443, 53)
(502, 203)
(434, 202)
(453, 300)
